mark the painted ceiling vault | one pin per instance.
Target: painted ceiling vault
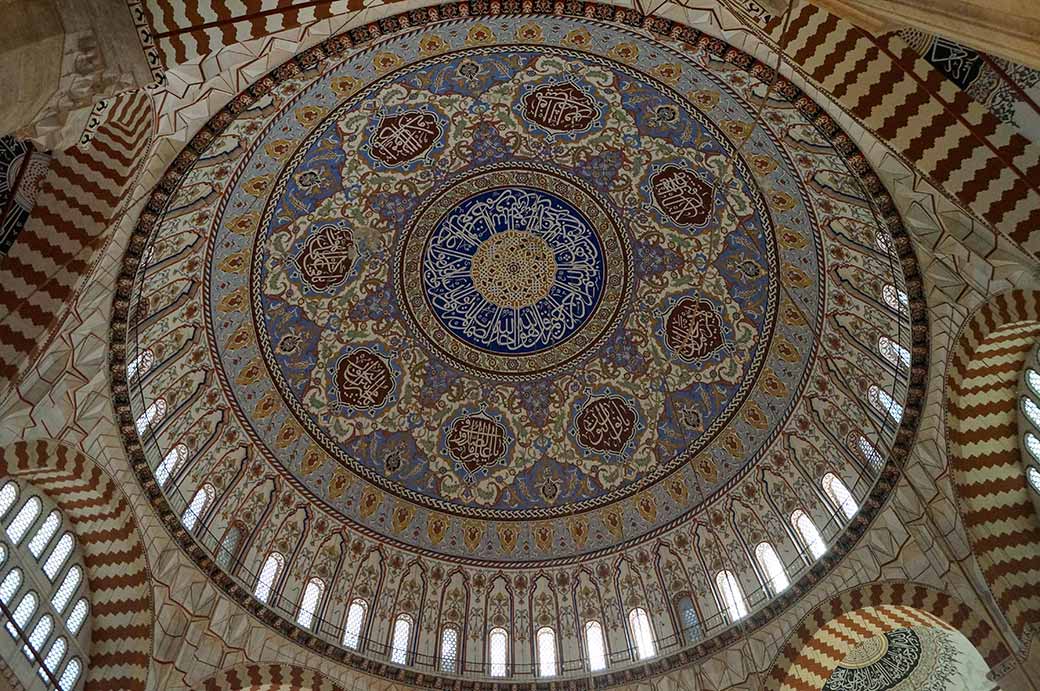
(491, 295)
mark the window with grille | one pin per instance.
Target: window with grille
(42, 537)
(688, 620)
(228, 546)
(596, 646)
(57, 558)
(449, 649)
(869, 453)
(401, 638)
(839, 494)
(893, 352)
(23, 520)
(895, 298)
(151, 415)
(355, 619)
(546, 646)
(732, 597)
(806, 530)
(642, 633)
(1031, 411)
(498, 650)
(170, 463)
(140, 364)
(8, 496)
(310, 602)
(268, 574)
(772, 567)
(884, 403)
(199, 503)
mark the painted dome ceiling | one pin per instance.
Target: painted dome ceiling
(517, 292)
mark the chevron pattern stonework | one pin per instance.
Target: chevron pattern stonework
(986, 455)
(838, 625)
(113, 553)
(271, 677)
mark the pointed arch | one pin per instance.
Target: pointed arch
(104, 524)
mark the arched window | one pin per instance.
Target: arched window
(228, 546)
(642, 633)
(893, 352)
(23, 520)
(8, 496)
(596, 646)
(870, 454)
(10, 585)
(54, 657)
(68, 588)
(1033, 476)
(883, 242)
(140, 364)
(402, 636)
(691, 626)
(268, 574)
(38, 636)
(806, 530)
(895, 298)
(310, 602)
(498, 650)
(199, 503)
(1033, 446)
(546, 639)
(44, 533)
(170, 462)
(59, 556)
(772, 567)
(151, 415)
(22, 613)
(882, 401)
(838, 493)
(732, 598)
(69, 676)
(77, 616)
(352, 628)
(449, 649)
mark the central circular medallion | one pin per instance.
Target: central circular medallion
(514, 271)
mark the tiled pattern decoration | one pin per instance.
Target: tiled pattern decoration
(809, 657)
(78, 198)
(269, 678)
(988, 474)
(21, 169)
(113, 554)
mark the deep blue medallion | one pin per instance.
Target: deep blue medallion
(513, 270)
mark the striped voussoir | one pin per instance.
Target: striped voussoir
(77, 201)
(269, 677)
(958, 144)
(113, 554)
(986, 455)
(835, 627)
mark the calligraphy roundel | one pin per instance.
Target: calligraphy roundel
(511, 269)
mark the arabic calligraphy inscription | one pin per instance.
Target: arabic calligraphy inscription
(560, 107)
(682, 195)
(476, 442)
(606, 424)
(402, 137)
(693, 329)
(327, 257)
(363, 379)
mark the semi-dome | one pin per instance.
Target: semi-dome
(459, 318)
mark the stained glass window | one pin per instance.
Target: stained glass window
(546, 639)
(498, 645)
(44, 533)
(151, 415)
(10, 585)
(199, 502)
(840, 495)
(309, 603)
(870, 454)
(140, 364)
(399, 642)
(732, 598)
(170, 462)
(38, 637)
(880, 399)
(53, 659)
(642, 633)
(355, 618)
(68, 588)
(228, 546)
(596, 646)
(1033, 476)
(691, 626)
(69, 676)
(59, 556)
(268, 574)
(809, 534)
(893, 352)
(77, 616)
(22, 613)
(23, 520)
(894, 298)
(8, 495)
(772, 567)
(449, 649)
